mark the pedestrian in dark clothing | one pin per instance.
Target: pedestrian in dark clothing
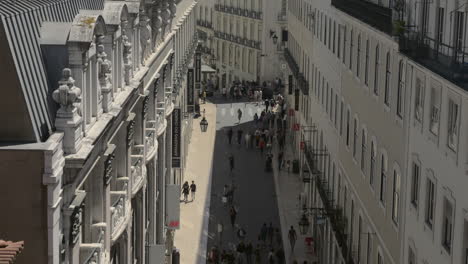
(258, 254)
(261, 145)
(248, 252)
(270, 232)
(233, 214)
(229, 134)
(213, 256)
(280, 159)
(185, 191)
(193, 189)
(267, 104)
(231, 162)
(239, 136)
(255, 118)
(292, 237)
(263, 232)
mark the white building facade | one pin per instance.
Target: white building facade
(114, 153)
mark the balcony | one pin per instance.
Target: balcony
(301, 81)
(445, 60)
(93, 253)
(332, 211)
(238, 11)
(203, 23)
(138, 168)
(150, 140)
(120, 208)
(375, 15)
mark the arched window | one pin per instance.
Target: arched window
(400, 89)
(358, 59)
(387, 79)
(377, 69)
(363, 151)
(383, 178)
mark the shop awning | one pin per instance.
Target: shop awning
(207, 69)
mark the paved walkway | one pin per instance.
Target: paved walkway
(288, 188)
(191, 239)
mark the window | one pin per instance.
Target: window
(344, 45)
(383, 179)
(387, 80)
(411, 256)
(440, 26)
(376, 76)
(379, 258)
(447, 226)
(334, 36)
(359, 239)
(400, 90)
(366, 67)
(372, 164)
(435, 102)
(452, 125)
(418, 99)
(355, 137)
(338, 50)
(351, 50)
(363, 151)
(459, 24)
(347, 128)
(430, 199)
(358, 59)
(327, 99)
(336, 111)
(341, 117)
(369, 248)
(416, 171)
(396, 197)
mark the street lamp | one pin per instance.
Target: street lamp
(275, 39)
(304, 224)
(203, 123)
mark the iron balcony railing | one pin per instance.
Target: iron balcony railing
(303, 84)
(205, 24)
(447, 61)
(239, 40)
(238, 11)
(333, 211)
(375, 15)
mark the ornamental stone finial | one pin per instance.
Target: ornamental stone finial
(67, 93)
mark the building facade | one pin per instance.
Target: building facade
(437, 220)
(348, 100)
(241, 38)
(98, 89)
(376, 91)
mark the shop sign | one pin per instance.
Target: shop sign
(190, 91)
(176, 138)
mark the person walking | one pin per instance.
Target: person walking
(231, 162)
(261, 145)
(193, 189)
(185, 191)
(240, 252)
(233, 214)
(248, 252)
(204, 96)
(267, 104)
(239, 115)
(263, 233)
(229, 134)
(271, 256)
(292, 237)
(239, 136)
(257, 137)
(247, 140)
(270, 233)
(258, 254)
(255, 118)
(280, 160)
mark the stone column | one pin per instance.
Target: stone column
(68, 120)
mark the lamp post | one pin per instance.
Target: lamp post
(203, 123)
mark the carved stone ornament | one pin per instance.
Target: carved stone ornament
(75, 224)
(155, 88)
(145, 107)
(67, 95)
(105, 69)
(145, 35)
(108, 169)
(130, 132)
(173, 8)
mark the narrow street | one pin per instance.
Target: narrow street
(254, 195)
